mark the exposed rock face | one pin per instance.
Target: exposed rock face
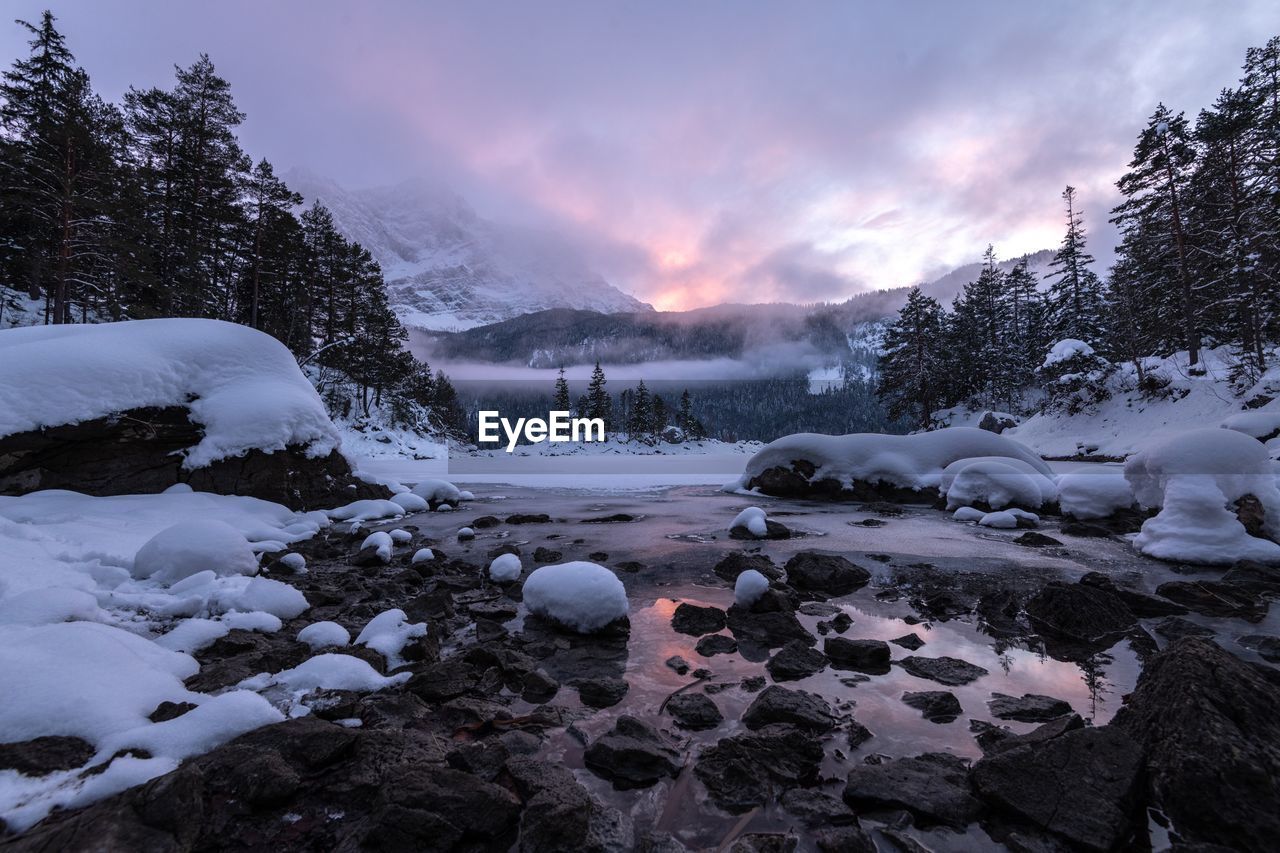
(1208, 721)
(134, 452)
(1079, 613)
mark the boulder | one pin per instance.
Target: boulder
(862, 655)
(936, 706)
(750, 769)
(694, 711)
(1079, 613)
(716, 644)
(796, 707)
(736, 563)
(1027, 708)
(952, 672)
(695, 621)
(559, 814)
(830, 574)
(632, 755)
(934, 787)
(1216, 598)
(796, 660)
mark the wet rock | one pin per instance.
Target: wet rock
(796, 660)
(999, 610)
(765, 842)
(485, 521)
(632, 755)
(1215, 598)
(600, 692)
(1257, 578)
(1081, 785)
(559, 814)
(934, 787)
(952, 672)
(844, 839)
(538, 687)
(546, 555)
(440, 682)
(1208, 721)
(615, 518)
(694, 711)
(695, 621)
(1079, 613)
(796, 707)
(1175, 628)
(815, 808)
(44, 755)
(679, 664)
(716, 644)
(862, 655)
(170, 711)
(992, 738)
(1031, 539)
(749, 769)
(736, 563)
(529, 518)
(1266, 645)
(368, 557)
(421, 807)
(936, 706)
(830, 574)
(767, 629)
(909, 641)
(1028, 708)
(1142, 605)
(818, 608)
(1085, 529)
(773, 530)
(753, 683)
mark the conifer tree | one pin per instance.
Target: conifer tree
(599, 403)
(911, 373)
(1075, 292)
(561, 401)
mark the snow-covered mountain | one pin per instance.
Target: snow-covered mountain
(448, 268)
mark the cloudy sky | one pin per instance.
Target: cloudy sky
(710, 151)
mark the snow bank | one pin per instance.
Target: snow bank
(189, 547)
(754, 520)
(906, 461)
(388, 633)
(1196, 478)
(367, 510)
(1094, 493)
(580, 595)
(505, 568)
(243, 386)
(1264, 426)
(997, 482)
(748, 588)
(410, 502)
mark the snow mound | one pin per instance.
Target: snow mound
(1007, 519)
(410, 502)
(422, 555)
(367, 510)
(326, 672)
(1197, 478)
(906, 461)
(438, 491)
(997, 482)
(579, 595)
(466, 533)
(190, 547)
(388, 633)
(1094, 494)
(50, 604)
(754, 520)
(748, 588)
(1264, 426)
(968, 513)
(243, 386)
(505, 568)
(321, 635)
(1065, 350)
(381, 542)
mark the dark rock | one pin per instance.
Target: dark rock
(796, 707)
(694, 711)
(736, 563)
(716, 644)
(910, 641)
(1215, 598)
(944, 670)
(600, 692)
(1209, 724)
(546, 555)
(1266, 645)
(538, 687)
(1028, 708)
(773, 530)
(1085, 529)
(818, 608)
(826, 573)
(559, 814)
(764, 842)
(1175, 628)
(1081, 785)
(1142, 605)
(485, 521)
(862, 655)
(796, 660)
(1079, 613)
(632, 755)
(749, 769)
(696, 621)
(936, 706)
(615, 518)
(934, 787)
(43, 755)
(815, 808)
(170, 711)
(997, 423)
(768, 629)
(994, 739)
(529, 518)
(1031, 539)
(679, 664)
(844, 839)
(440, 682)
(754, 683)
(1256, 578)
(437, 808)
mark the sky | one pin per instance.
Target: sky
(697, 153)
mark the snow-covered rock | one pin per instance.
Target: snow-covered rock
(367, 510)
(422, 555)
(328, 671)
(579, 595)
(748, 588)
(190, 547)
(1094, 493)
(323, 635)
(1008, 519)
(388, 633)
(996, 482)
(381, 543)
(438, 492)
(410, 502)
(1065, 350)
(1264, 425)
(753, 520)
(505, 568)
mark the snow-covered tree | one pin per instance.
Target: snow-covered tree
(1076, 303)
(911, 369)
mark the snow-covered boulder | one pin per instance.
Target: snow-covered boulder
(190, 547)
(138, 406)
(996, 482)
(505, 568)
(438, 493)
(1264, 425)
(321, 635)
(388, 633)
(748, 588)
(1094, 493)
(752, 523)
(871, 466)
(579, 595)
(1216, 490)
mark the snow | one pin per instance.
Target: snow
(968, 513)
(1007, 519)
(748, 588)
(400, 537)
(466, 533)
(997, 482)
(437, 491)
(382, 542)
(241, 385)
(1094, 493)
(212, 723)
(580, 595)
(1195, 479)
(505, 568)
(296, 562)
(320, 635)
(1264, 425)
(754, 520)
(422, 555)
(1065, 350)
(50, 604)
(330, 671)
(907, 461)
(410, 502)
(189, 547)
(388, 633)
(367, 510)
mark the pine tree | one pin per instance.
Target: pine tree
(684, 419)
(910, 368)
(599, 403)
(1027, 323)
(639, 425)
(1075, 294)
(561, 402)
(270, 201)
(658, 417)
(982, 321)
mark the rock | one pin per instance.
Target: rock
(862, 655)
(1266, 645)
(1175, 628)
(815, 808)
(615, 518)
(369, 556)
(934, 787)
(1031, 539)
(1079, 613)
(910, 641)
(768, 629)
(826, 573)
(140, 452)
(844, 839)
(1085, 529)
(764, 842)
(1215, 598)
(694, 711)
(952, 672)
(796, 707)
(749, 769)
(538, 687)
(679, 664)
(716, 644)
(1209, 724)
(529, 518)
(736, 563)
(559, 814)
(44, 755)
(796, 660)
(1028, 708)
(440, 682)
(994, 739)
(1081, 785)
(997, 422)
(546, 555)
(600, 692)
(1140, 604)
(485, 521)
(1256, 578)
(936, 706)
(632, 755)
(695, 621)
(818, 608)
